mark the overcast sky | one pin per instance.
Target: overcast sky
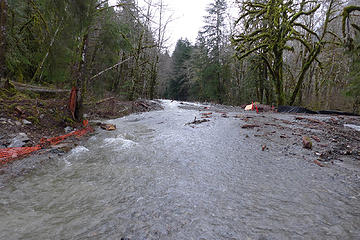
(187, 19)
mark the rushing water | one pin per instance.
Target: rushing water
(157, 178)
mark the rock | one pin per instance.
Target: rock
(316, 138)
(26, 122)
(68, 129)
(19, 140)
(307, 142)
(10, 122)
(108, 127)
(41, 116)
(17, 123)
(61, 148)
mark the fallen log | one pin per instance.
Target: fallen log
(250, 126)
(105, 100)
(32, 88)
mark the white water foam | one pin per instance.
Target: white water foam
(119, 141)
(356, 127)
(79, 149)
(74, 153)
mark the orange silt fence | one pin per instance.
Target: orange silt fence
(8, 155)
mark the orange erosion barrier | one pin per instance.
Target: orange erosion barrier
(256, 107)
(8, 155)
(72, 101)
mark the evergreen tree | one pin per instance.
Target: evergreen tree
(209, 60)
(179, 82)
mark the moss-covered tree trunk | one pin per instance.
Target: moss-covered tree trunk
(304, 70)
(278, 76)
(154, 72)
(135, 72)
(81, 80)
(3, 18)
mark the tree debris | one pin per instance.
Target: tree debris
(307, 142)
(105, 100)
(315, 138)
(319, 163)
(250, 126)
(197, 121)
(108, 127)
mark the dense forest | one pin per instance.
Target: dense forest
(278, 52)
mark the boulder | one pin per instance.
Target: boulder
(19, 140)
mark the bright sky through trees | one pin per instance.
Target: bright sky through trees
(187, 19)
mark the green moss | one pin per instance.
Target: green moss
(31, 94)
(68, 120)
(34, 120)
(3, 95)
(11, 107)
(61, 117)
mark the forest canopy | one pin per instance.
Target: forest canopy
(292, 52)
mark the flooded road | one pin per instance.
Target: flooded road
(157, 178)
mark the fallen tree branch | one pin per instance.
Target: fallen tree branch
(109, 68)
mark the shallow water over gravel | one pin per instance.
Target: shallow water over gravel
(157, 178)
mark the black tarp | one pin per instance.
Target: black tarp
(296, 109)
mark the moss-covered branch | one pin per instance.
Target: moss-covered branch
(345, 16)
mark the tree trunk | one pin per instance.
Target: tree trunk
(278, 77)
(81, 80)
(304, 70)
(116, 82)
(40, 67)
(3, 18)
(154, 77)
(136, 70)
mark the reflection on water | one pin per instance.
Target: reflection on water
(155, 178)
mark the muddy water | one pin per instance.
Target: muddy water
(157, 178)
